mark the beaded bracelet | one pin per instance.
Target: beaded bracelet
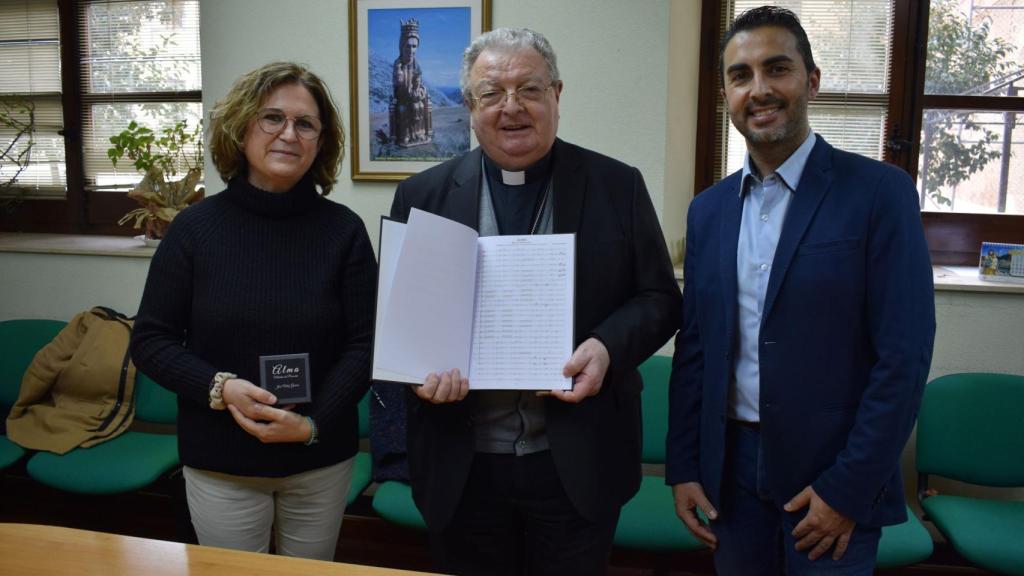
(314, 432)
(217, 389)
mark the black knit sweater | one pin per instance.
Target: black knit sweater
(247, 273)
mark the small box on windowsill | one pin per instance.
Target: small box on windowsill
(287, 377)
(1001, 262)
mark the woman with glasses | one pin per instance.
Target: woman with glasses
(268, 267)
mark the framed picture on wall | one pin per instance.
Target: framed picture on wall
(405, 55)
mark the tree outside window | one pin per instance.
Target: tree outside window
(968, 155)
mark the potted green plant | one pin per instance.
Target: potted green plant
(160, 156)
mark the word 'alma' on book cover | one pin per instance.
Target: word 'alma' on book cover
(498, 308)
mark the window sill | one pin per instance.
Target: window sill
(948, 278)
(965, 279)
(74, 244)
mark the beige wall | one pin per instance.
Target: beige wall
(58, 286)
(613, 57)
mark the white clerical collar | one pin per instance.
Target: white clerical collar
(540, 171)
(513, 178)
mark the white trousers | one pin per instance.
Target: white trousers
(305, 510)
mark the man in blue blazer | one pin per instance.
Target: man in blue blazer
(808, 323)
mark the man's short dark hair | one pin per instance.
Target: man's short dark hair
(768, 16)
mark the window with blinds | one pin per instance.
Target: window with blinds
(851, 43)
(140, 62)
(132, 60)
(32, 162)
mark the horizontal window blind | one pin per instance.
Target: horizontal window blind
(29, 47)
(32, 164)
(850, 41)
(41, 171)
(140, 62)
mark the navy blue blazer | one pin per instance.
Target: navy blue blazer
(845, 342)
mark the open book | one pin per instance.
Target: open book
(498, 308)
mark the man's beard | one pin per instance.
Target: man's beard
(795, 124)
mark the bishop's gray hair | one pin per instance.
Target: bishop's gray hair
(506, 39)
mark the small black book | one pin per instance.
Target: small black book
(287, 377)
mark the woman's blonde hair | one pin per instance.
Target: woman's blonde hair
(229, 121)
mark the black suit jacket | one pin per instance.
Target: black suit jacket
(626, 296)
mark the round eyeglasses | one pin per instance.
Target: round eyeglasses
(272, 121)
(497, 99)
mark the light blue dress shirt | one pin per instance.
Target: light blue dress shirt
(765, 204)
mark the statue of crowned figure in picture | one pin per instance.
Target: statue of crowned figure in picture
(409, 107)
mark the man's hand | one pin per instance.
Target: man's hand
(274, 425)
(821, 528)
(689, 496)
(588, 364)
(444, 387)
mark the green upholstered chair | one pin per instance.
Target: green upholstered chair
(9, 452)
(361, 468)
(393, 502)
(19, 341)
(969, 429)
(904, 544)
(649, 521)
(128, 462)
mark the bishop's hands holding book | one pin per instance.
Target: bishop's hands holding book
(587, 366)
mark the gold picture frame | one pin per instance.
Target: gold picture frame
(404, 61)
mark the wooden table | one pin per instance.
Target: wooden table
(30, 549)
